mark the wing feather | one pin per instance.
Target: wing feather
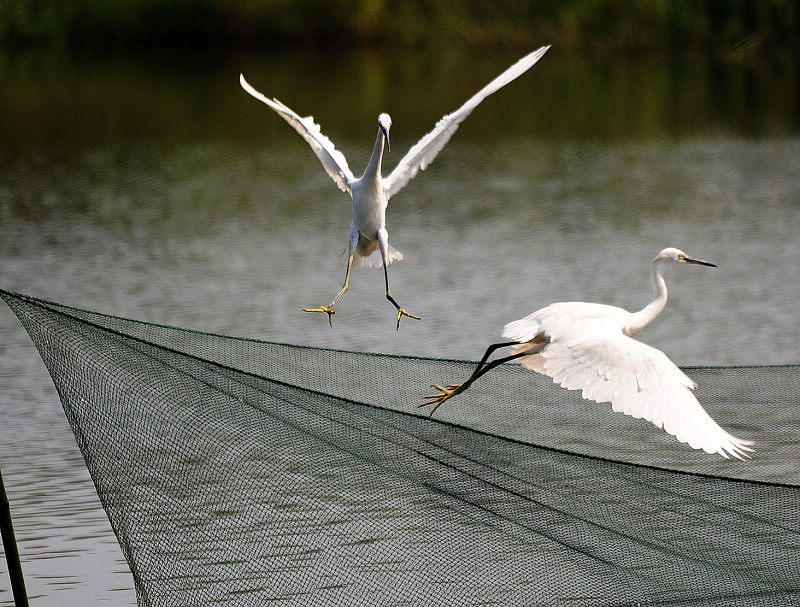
(426, 149)
(333, 161)
(639, 381)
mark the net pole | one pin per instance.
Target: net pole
(10, 547)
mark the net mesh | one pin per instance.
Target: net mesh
(243, 472)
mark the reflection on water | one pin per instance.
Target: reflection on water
(155, 188)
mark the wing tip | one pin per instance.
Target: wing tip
(738, 448)
(726, 445)
(539, 52)
(248, 88)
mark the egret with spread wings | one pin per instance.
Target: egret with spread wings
(589, 347)
(371, 192)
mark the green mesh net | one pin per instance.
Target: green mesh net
(243, 472)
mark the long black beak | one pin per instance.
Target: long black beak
(699, 262)
(388, 144)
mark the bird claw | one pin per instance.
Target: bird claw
(329, 311)
(401, 312)
(445, 392)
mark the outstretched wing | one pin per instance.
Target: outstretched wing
(426, 149)
(640, 381)
(332, 160)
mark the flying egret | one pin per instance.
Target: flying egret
(371, 192)
(588, 347)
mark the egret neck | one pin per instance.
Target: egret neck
(373, 170)
(639, 320)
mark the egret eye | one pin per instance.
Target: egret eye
(681, 257)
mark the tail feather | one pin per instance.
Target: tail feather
(524, 329)
(374, 260)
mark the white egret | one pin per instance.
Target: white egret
(371, 192)
(588, 347)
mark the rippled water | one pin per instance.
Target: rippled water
(154, 188)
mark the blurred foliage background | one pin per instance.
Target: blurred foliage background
(722, 28)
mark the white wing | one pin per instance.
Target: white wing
(332, 160)
(636, 379)
(426, 149)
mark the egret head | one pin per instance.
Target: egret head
(678, 256)
(385, 123)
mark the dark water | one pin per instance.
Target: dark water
(154, 187)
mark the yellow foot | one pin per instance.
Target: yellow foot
(329, 311)
(401, 312)
(445, 392)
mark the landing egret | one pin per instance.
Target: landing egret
(588, 346)
(371, 192)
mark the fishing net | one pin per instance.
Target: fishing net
(243, 472)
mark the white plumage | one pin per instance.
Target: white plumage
(371, 192)
(590, 347)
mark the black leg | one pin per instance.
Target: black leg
(485, 368)
(482, 368)
(489, 352)
(400, 311)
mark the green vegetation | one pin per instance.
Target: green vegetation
(717, 27)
